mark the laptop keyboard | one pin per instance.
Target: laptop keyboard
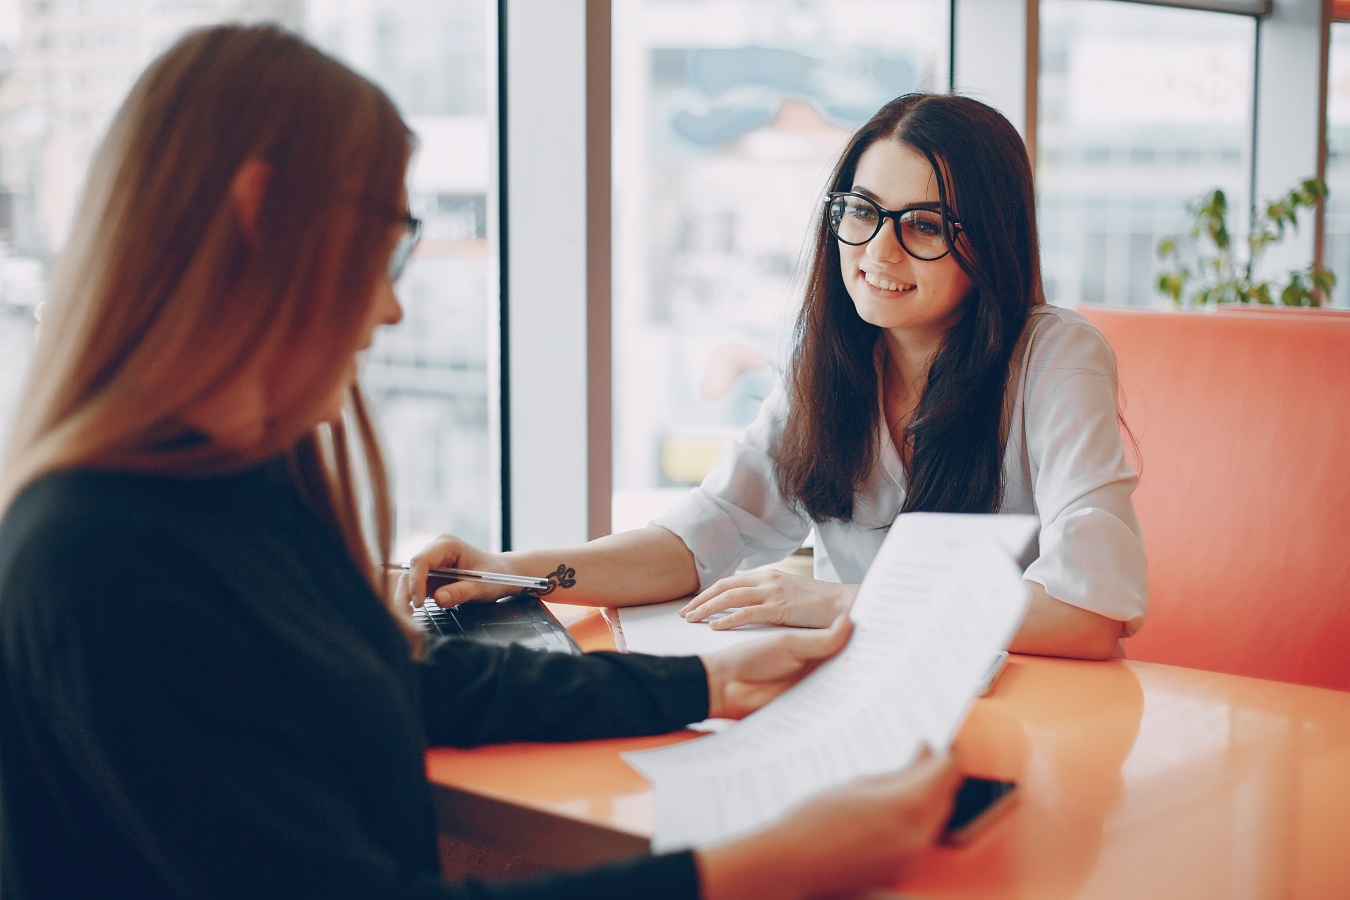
(519, 620)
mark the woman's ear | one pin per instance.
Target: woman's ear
(246, 196)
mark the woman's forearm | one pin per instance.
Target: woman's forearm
(647, 565)
(1055, 628)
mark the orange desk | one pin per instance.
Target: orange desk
(1138, 780)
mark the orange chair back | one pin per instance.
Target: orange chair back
(1243, 427)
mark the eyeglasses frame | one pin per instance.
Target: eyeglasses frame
(407, 242)
(951, 226)
(403, 250)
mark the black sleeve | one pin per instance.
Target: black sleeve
(672, 877)
(478, 694)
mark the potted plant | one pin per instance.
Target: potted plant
(1202, 269)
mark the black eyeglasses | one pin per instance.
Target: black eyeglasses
(924, 233)
(398, 260)
(407, 242)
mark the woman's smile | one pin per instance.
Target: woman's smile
(882, 283)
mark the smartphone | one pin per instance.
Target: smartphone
(978, 803)
(991, 675)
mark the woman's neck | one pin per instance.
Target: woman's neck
(908, 357)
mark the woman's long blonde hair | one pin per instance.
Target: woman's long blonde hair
(161, 302)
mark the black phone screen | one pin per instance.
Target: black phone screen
(973, 799)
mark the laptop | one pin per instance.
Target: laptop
(520, 619)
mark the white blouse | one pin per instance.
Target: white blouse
(1064, 463)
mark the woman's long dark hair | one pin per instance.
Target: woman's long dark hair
(830, 437)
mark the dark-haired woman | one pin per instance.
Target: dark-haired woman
(927, 375)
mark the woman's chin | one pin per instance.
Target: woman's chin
(337, 403)
(881, 314)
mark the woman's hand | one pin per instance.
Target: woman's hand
(449, 552)
(743, 678)
(771, 597)
(846, 841)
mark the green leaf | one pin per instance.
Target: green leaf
(1323, 278)
(1220, 235)
(1294, 293)
(1172, 284)
(1310, 191)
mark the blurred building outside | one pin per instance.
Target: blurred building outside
(727, 120)
(1336, 236)
(1142, 109)
(65, 66)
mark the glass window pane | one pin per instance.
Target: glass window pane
(727, 118)
(1336, 248)
(428, 376)
(1141, 109)
(64, 68)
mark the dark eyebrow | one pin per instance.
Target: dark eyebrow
(927, 204)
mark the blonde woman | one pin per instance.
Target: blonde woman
(204, 693)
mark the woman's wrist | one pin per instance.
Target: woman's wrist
(509, 563)
(748, 867)
(530, 563)
(713, 667)
(843, 599)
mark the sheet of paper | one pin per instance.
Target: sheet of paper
(924, 635)
(659, 629)
(927, 547)
(930, 544)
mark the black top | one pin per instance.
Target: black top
(203, 698)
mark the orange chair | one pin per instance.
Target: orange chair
(1226, 309)
(1243, 426)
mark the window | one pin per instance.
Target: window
(428, 376)
(727, 117)
(1336, 246)
(1142, 108)
(64, 68)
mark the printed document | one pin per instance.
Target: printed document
(943, 596)
(932, 543)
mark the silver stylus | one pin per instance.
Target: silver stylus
(521, 581)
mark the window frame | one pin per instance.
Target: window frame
(554, 270)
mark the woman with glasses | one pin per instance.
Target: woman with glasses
(927, 375)
(207, 688)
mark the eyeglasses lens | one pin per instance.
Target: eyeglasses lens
(854, 220)
(398, 260)
(922, 233)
